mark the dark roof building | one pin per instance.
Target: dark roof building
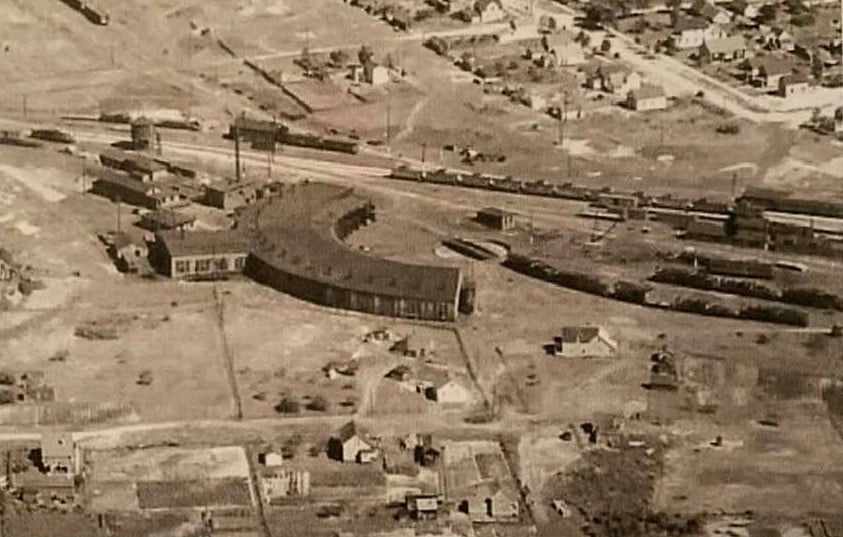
(199, 254)
(164, 219)
(299, 249)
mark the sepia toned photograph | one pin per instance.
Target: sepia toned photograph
(421, 268)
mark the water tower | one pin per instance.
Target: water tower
(143, 134)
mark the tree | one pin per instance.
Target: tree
(583, 39)
(365, 55)
(288, 405)
(598, 16)
(817, 66)
(605, 46)
(767, 13)
(318, 404)
(7, 397)
(339, 57)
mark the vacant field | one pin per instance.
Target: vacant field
(788, 470)
(218, 492)
(169, 478)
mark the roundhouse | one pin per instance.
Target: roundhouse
(298, 250)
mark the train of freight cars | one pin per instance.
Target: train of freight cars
(546, 189)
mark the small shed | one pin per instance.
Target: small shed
(496, 218)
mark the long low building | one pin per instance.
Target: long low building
(197, 255)
(294, 243)
(299, 250)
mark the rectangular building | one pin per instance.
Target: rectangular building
(199, 254)
(496, 218)
(230, 195)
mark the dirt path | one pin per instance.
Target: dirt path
(228, 356)
(411, 119)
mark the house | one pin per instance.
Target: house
(793, 84)
(347, 445)
(58, 453)
(647, 97)
(422, 506)
(448, 391)
(617, 79)
(589, 341)
(688, 32)
(535, 101)
(425, 453)
(271, 458)
(128, 255)
(8, 268)
(375, 74)
(167, 219)
(401, 373)
(230, 194)
(708, 11)
(496, 218)
(723, 50)
(781, 39)
(766, 71)
(490, 502)
(199, 254)
(485, 11)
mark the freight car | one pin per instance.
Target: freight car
(318, 142)
(52, 135)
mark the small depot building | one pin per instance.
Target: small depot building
(496, 218)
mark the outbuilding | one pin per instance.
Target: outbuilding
(496, 218)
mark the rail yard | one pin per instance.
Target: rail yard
(420, 268)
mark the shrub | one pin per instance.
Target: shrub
(288, 405)
(728, 128)
(318, 404)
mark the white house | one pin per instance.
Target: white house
(449, 392)
(588, 341)
(648, 97)
(347, 444)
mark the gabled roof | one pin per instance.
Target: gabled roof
(347, 432)
(648, 91)
(726, 45)
(683, 24)
(795, 78)
(579, 334)
(772, 65)
(180, 244)
(481, 5)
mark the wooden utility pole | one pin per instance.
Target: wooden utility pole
(118, 215)
(237, 150)
(388, 126)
